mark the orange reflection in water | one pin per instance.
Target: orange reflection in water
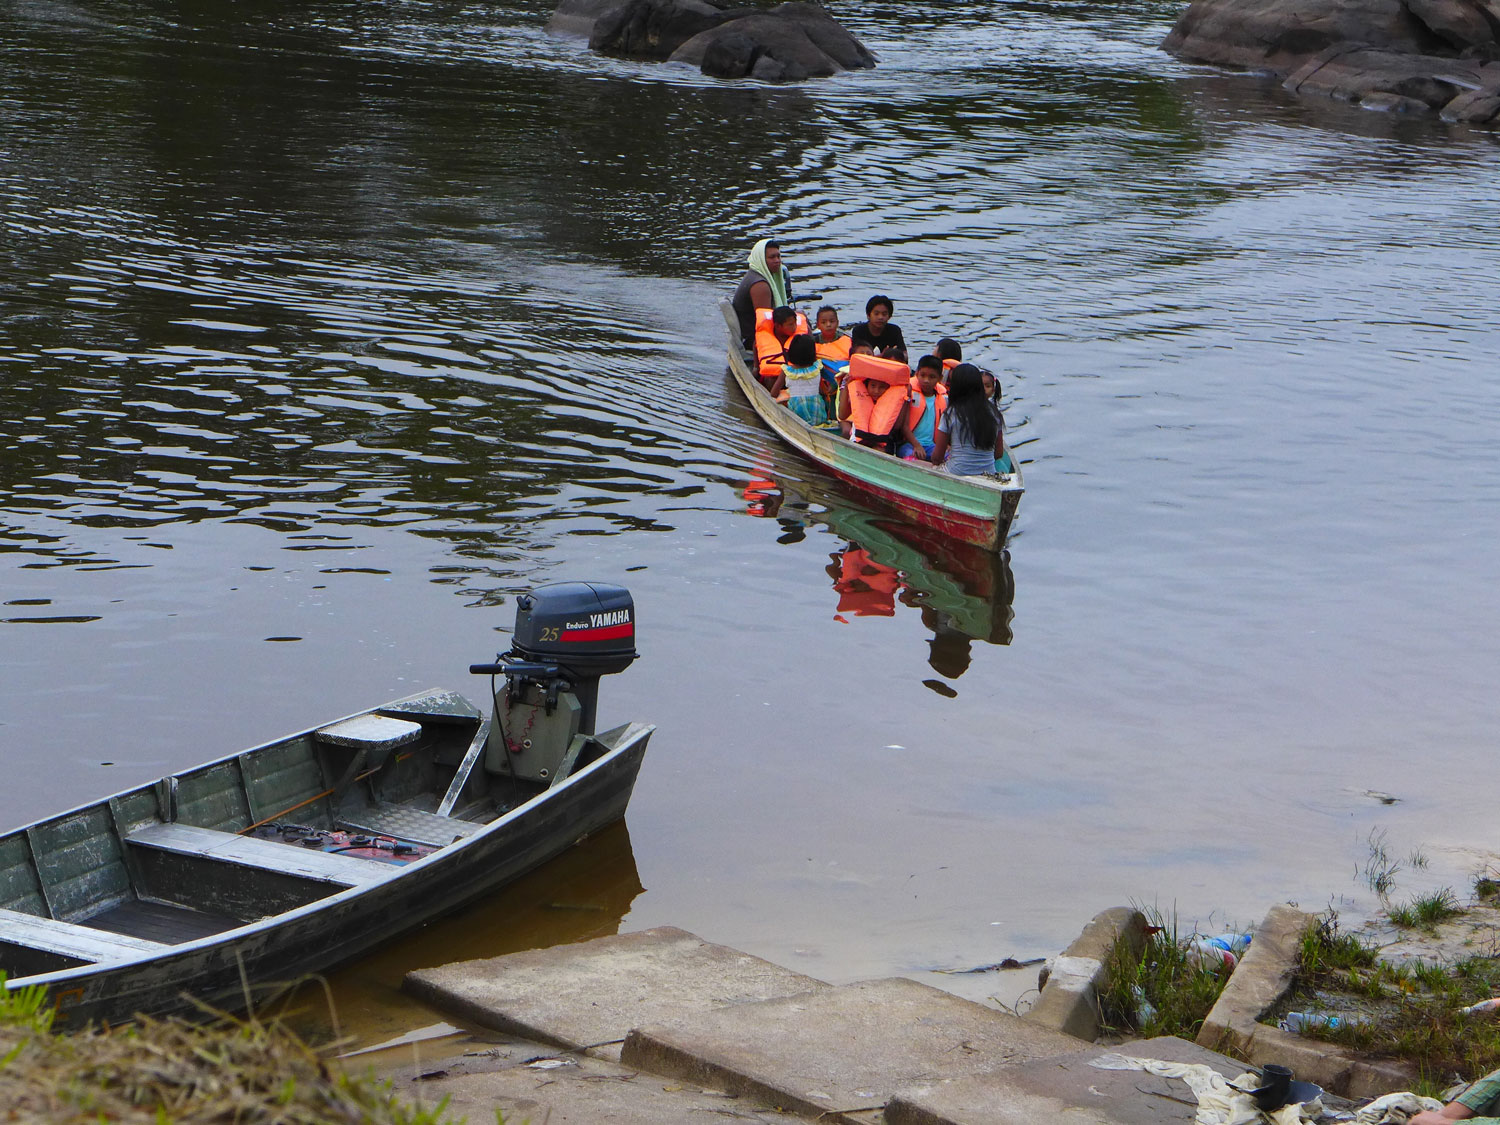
(964, 593)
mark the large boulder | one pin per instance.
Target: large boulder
(789, 42)
(799, 40)
(1382, 54)
(1278, 35)
(652, 29)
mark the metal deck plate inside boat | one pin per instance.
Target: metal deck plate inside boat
(410, 824)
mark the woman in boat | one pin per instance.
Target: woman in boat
(884, 338)
(766, 285)
(969, 436)
(799, 378)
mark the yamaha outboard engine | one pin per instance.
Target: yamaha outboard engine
(568, 634)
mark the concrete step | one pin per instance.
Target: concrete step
(1065, 1088)
(589, 995)
(839, 1054)
(529, 1082)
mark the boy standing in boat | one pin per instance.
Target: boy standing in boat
(883, 337)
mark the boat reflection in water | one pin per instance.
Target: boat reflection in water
(963, 593)
(584, 893)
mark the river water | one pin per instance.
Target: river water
(325, 333)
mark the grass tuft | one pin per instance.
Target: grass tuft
(170, 1072)
(1380, 869)
(1163, 991)
(1426, 911)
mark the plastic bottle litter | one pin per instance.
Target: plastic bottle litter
(1145, 1011)
(1481, 1008)
(1299, 1021)
(1204, 953)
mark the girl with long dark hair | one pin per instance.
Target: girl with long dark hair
(969, 437)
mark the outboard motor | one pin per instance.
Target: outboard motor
(567, 635)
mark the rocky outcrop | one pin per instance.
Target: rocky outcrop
(787, 43)
(1402, 55)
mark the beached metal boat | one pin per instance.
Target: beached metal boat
(973, 510)
(234, 879)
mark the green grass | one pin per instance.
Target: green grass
(1380, 869)
(1176, 991)
(1406, 1012)
(169, 1072)
(1427, 910)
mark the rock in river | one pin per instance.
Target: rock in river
(789, 42)
(1381, 54)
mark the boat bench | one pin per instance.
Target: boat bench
(67, 939)
(265, 855)
(412, 825)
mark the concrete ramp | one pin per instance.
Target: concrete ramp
(1065, 1088)
(589, 995)
(839, 1054)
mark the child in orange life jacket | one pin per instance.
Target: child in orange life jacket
(772, 331)
(929, 398)
(833, 352)
(841, 406)
(951, 352)
(876, 402)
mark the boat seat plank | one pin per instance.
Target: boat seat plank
(81, 943)
(373, 733)
(409, 824)
(266, 855)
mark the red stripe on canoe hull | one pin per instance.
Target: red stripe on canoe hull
(966, 529)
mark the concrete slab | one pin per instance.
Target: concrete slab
(1070, 999)
(1259, 982)
(529, 1082)
(838, 1054)
(588, 995)
(1065, 1089)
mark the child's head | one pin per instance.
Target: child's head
(784, 322)
(949, 348)
(862, 348)
(801, 351)
(964, 382)
(879, 309)
(828, 321)
(991, 384)
(929, 374)
(876, 387)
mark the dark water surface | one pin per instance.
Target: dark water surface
(326, 332)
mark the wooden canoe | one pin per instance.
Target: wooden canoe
(974, 510)
(259, 868)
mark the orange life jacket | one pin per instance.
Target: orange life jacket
(769, 351)
(948, 366)
(919, 403)
(837, 352)
(871, 415)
